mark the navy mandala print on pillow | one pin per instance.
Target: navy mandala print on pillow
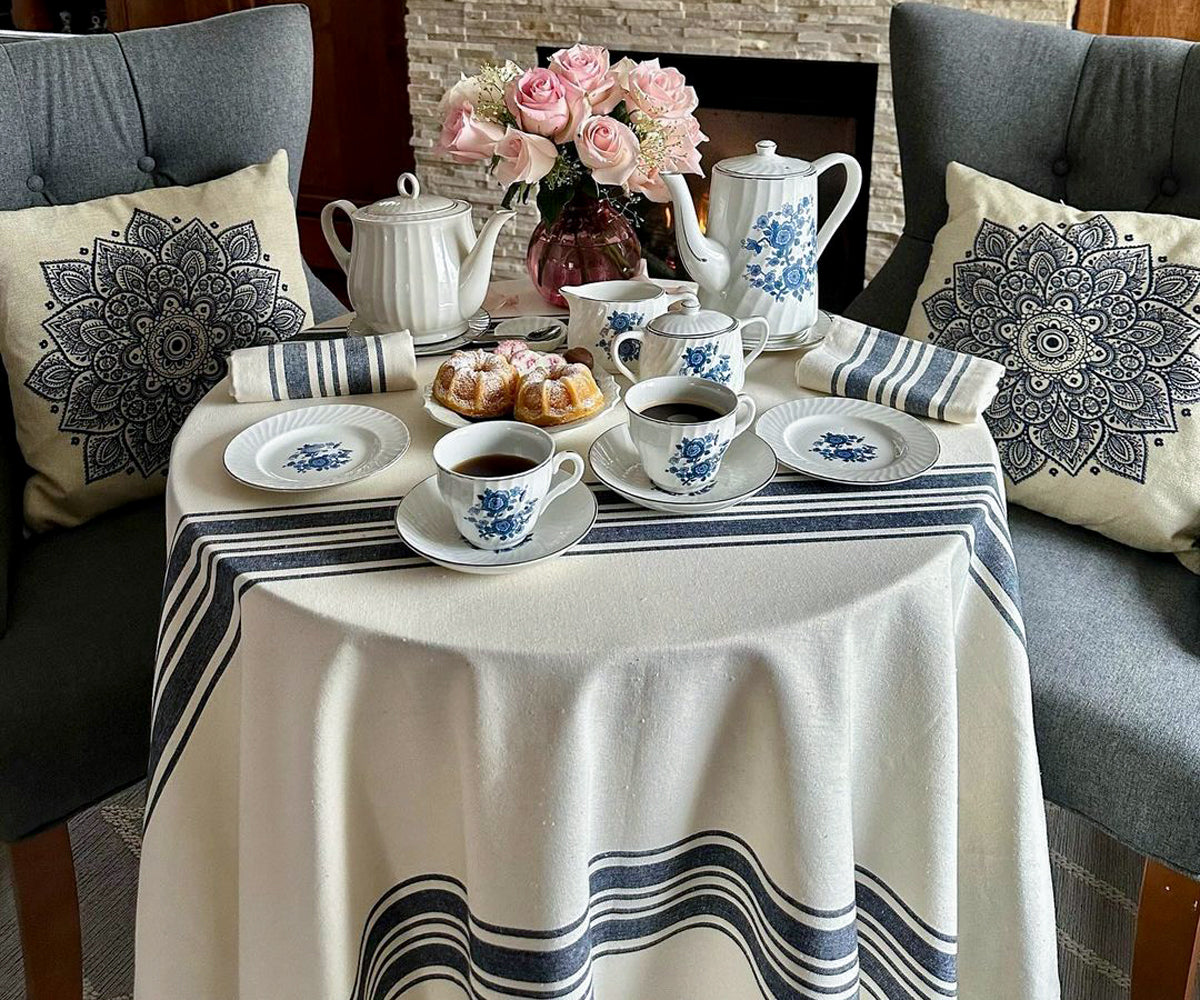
(1096, 335)
(142, 330)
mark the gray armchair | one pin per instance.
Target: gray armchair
(1113, 633)
(80, 118)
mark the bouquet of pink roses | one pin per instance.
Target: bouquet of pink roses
(579, 126)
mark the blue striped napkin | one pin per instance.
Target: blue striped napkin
(303, 369)
(923, 379)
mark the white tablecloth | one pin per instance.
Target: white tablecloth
(781, 751)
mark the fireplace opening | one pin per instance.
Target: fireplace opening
(810, 108)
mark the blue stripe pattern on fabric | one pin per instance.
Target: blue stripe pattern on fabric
(295, 370)
(379, 363)
(358, 365)
(274, 375)
(712, 879)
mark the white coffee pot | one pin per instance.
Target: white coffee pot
(689, 340)
(759, 254)
(415, 263)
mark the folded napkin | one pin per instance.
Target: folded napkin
(302, 369)
(923, 379)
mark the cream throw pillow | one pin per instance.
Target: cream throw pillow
(1096, 317)
(118, 315)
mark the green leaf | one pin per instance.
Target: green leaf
(550, 201)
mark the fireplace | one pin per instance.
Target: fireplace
(809, 108)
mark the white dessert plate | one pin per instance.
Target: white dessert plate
(747, 467)
(427, 527)
(848, 440)
(477, 328)
(604, 382)
(804, 338)
(316, 446)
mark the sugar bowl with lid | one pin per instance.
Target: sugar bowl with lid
(692, 341)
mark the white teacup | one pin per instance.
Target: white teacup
(500, 511)
(602, 310)
(681, 451)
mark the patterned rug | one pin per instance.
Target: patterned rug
(1096, 883)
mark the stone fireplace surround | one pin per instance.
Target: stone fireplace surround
(446, 37)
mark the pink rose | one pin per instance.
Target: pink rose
(545, 103)
(608, 148)
(683, 136)
(524, 158)
(659, 92)
(466, 138)
(650, 184)
(586, 66)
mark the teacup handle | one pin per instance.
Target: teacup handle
(615, 352)
(746, 412)
(558, 462)
(762, 341)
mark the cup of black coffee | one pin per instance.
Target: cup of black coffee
(682, 426)
(495, 478)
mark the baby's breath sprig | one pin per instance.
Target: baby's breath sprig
(492, 79)
(654, 139)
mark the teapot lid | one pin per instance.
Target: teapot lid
(764, 162)
(687, 319)
(410, 205)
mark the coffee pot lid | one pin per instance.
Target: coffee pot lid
(410, 205)
(687, 319)
(764, 162)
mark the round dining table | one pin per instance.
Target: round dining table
(784, 750)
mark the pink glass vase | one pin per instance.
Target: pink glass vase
(589, 241)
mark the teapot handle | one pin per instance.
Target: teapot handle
(846, 201)
(340, 253)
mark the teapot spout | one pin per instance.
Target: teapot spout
(706, 260)
(475, 274)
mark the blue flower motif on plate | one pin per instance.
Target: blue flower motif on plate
(783, 243)
(501, 514)
(697, 459)
(843, 448)
(141, 326)
(323, 457)
(703, 360)
(617, 323)
(1097, 337)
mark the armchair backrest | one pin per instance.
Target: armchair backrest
(88, 116)
(1097, 122)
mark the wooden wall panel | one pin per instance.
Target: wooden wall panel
(1160, 18)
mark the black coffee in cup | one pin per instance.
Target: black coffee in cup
(681, 412)
(494, 466)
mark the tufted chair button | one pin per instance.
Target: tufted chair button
(35, 183)
(1169, 186)
(1061, 167)
(146, 164)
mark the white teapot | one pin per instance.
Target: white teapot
(415, 263)
(759, 255)
(689, 340)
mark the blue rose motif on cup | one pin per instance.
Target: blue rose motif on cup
(703, 361)
(323, 457)
(784, 241)
(618, 323)
(697, 459)
(843, 448)
(501, 514)
(1097, 335)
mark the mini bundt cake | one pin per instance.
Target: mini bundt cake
(476, 384)
(558, 396)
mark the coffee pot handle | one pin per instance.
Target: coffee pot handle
(848, 198)
(615, 353)
(340, 253)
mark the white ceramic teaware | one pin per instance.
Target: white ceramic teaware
(758, 256)
(603, 310)
(682, 453)
(689, 340)
(414, 262)
(500, 512)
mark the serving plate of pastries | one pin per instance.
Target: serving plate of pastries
(556, 392)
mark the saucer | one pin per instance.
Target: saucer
(316, 446)
(747, 467)
(427, 527)
(477, 326)
(848, 440)
(803, 338)
(604, 382)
